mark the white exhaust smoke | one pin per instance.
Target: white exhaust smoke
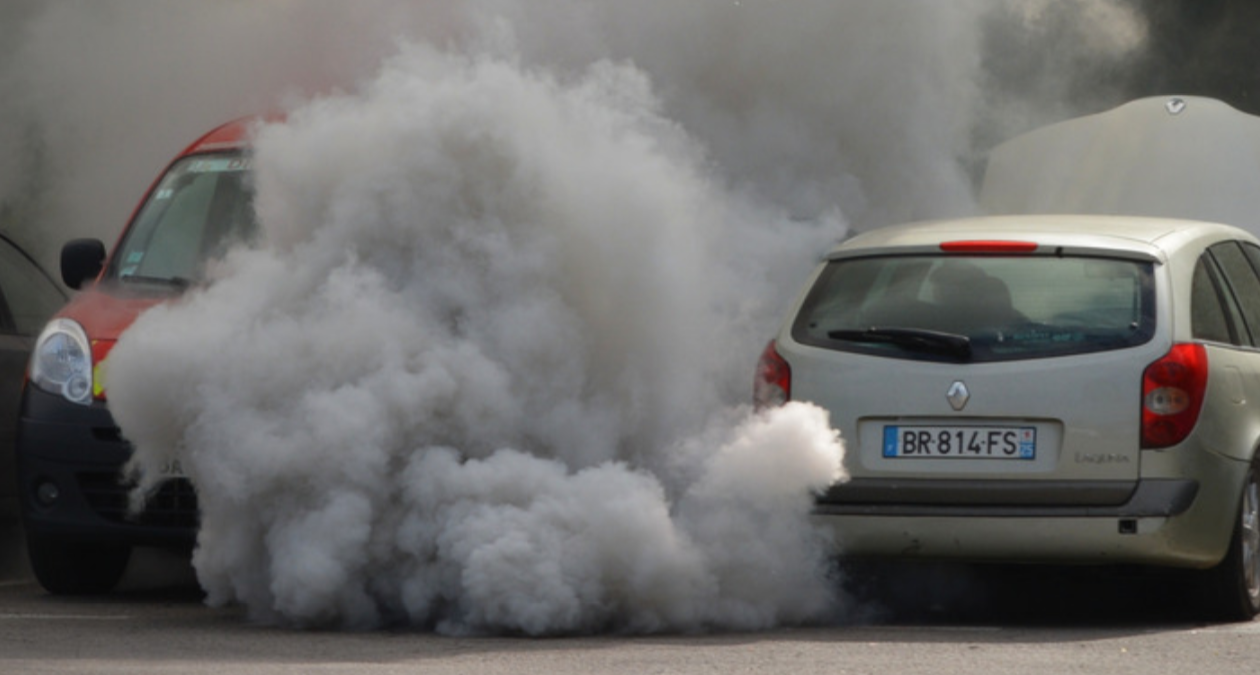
(485, 372)
(477, 377)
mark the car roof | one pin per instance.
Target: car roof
(1127, 236)
(234, 135)
(229, 136)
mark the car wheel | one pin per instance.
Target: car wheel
(65, 568)
(1233, 588)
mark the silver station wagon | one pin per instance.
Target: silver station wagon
(1043, 389)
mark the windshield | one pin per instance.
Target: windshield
(979, 308)
(200, 208)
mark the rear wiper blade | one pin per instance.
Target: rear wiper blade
(177, 282)
(936, 342)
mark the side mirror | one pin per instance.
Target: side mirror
(81, 260)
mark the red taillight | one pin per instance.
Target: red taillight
(773, 386)
(988, 246)
(1172, 395)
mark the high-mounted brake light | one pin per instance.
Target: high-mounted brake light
(988, 246)
(773, 385)
(1172, 395)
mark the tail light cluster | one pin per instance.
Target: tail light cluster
(773, 386)
(1173, 389)
(1172, 395)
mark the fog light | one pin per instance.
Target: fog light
(47, 493)
(78, 388)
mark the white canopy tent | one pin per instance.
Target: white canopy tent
(1182, 157)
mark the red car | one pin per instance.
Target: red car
(69, 451)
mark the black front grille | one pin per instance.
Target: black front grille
(173, 505)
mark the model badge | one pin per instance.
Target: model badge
(958, 395)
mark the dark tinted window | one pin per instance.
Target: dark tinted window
(1253, 254)
(1241, 277)
(1207, 310)
(979, 308)
(27, 296)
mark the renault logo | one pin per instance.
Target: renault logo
(958, 395)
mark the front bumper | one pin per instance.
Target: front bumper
(77, 452)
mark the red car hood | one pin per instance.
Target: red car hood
(105, 312)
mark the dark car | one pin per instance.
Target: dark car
(28, 296)
(80, 529)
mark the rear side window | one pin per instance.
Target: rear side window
(1241, 279)
(979, 308)
(1208, 320)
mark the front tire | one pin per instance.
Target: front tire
(1232, 590)
(72, 568)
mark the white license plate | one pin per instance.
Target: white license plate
(960, 442)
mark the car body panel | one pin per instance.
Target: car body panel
(1229, 424)
(15, 351)
(28, 296)
(105, 313)
(1082, 443)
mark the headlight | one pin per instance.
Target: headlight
(62, 361)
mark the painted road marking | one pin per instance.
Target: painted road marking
(64, 617)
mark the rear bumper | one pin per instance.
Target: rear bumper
(79, 452)
(1066, 540)
(1072, 540)
(1160, 521)
(1010, 498)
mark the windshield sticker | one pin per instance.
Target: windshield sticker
(135, 257)
(221, 165)
(128, 270)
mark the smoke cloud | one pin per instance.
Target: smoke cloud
(486, 370)
(471, 381)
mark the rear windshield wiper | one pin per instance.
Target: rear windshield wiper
(176, 282)
(917, 339)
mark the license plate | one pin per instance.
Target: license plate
(960, 442)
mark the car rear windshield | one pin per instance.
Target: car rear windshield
(199, 209)
(978, 308)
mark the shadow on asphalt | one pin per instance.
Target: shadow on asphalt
(955, 593)
(881, 593)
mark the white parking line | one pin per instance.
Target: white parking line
(1250, 627)
(64, 617)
